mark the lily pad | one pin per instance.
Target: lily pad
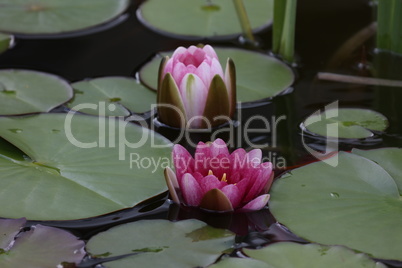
(258, 76)
(116, 95)
(42, 246)
(239, 263)
(5, 42)
(292, 255)
(24, 91)
(56, 16)
(78, 169)
(353, 123)
(201, 18)
(356, 204)
(161, 243)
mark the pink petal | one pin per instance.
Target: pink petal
(198, 56)
(179, 52)
(210, 51)
(182, 160)
(254, 156)
(202, 156)
(211, 182)
(204, 72)
(257, 203)
(219, 147)
(233, 194)
(191, 69)
(191, 190)
(260, 181)
(216, 68)
(192, 49)
(194, 95)
(179, 71)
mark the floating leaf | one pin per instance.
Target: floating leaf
(292, 255)
(9, 228)
(352, 123)
(258, 76)
(356, 204)
(239, 263)
(61, 179)
(199, 18)
(5, 42)
(42, 246)
(116, 95)
(23, 91)
(56, 16)
(390, 159)
(161, 243)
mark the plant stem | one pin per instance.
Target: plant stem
(389, 18)
(244, 21)
(284, 28)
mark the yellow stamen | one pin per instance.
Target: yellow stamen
(210, 172)
(224, 178)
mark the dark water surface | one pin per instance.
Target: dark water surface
(322, 27)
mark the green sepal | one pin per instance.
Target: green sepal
(217, 103)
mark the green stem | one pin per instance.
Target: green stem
(389, 17)
(244, 21)
(284, 28)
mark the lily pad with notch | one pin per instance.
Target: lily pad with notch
(25, 91)
(41, 246)
(351, 123)
(77, 166)
(119, 95)
(258, 76)
(356, 204)
(161, 243)
(201, 19)
(56, 16)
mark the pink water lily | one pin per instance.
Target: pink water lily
(193, 82)
(217, 180)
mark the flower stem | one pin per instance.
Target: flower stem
(244, 21)
(284, 28)
(389, 18)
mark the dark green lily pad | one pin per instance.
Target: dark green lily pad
(117, 95)
(239, 263)
(356, 204)
(292, 255)
(200, 18)
(5, 42)
(56, 16)
(42, 246)
(161, 243)
(60, 179)
(24, 91)
(258, 76)
(353, 123)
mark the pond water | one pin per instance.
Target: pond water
(322, 27)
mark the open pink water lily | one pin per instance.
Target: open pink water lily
(217, 180)
(193, 82)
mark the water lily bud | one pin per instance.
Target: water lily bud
(217, 180)
(193, 89)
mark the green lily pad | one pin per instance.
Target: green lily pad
(161, 243)
(258, 76)
(24, 91)
(56, 16)
(353, 123)
(389, 159)
(201, 18)
(356, 204)
(116, 96)
(5, 42)
(78, 169)
(292, 255)
(9, 228)
(42, 246)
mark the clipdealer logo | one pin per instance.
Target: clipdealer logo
(329, 155)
